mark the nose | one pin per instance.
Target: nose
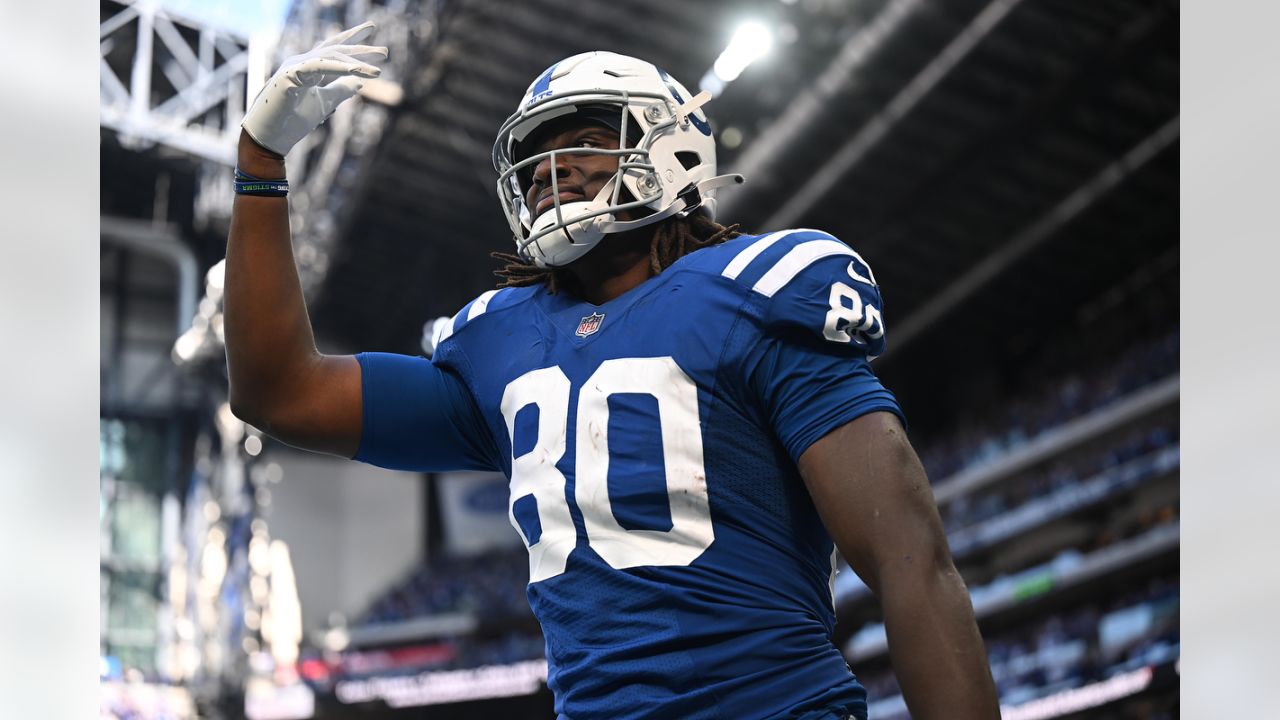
(542, 172)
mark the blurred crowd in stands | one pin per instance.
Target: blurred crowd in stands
(1089, 643)
(490, 586)
(523, 644)
(1125, 462)
(1041, 577)
(1052, 401)
(1089, 481)
(438, 654)
(137, 700)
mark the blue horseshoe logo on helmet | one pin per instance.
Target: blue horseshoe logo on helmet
(542, 86)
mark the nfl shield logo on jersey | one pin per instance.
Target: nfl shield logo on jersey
(590, 324)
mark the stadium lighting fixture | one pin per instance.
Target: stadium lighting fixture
(188, 345)
(750, 42)
(215, 278)
(336, 639)
(285, 613)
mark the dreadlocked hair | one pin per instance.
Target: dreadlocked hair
(672, 240)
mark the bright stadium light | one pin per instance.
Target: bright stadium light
(216, 277)
(751, 41)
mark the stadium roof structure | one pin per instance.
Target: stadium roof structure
(1009, 160)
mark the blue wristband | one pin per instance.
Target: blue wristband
(247, 184)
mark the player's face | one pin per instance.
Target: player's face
(578, 176)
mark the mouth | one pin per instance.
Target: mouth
(550, 200)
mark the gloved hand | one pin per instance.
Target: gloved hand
(307, 88)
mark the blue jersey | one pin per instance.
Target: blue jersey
(677, 564)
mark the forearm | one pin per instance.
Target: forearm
(937, 652)
(268, 333)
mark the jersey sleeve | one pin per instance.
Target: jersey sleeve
(419, 416)
(822, 289)
(820, 317)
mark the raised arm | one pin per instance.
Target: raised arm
(876, 502)
(280, 382)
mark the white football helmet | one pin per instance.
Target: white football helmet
(666, 162)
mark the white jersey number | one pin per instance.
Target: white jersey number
(856, 318)
(535, 473)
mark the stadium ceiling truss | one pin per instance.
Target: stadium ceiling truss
(181, 84)
(185, 85)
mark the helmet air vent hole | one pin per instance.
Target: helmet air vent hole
(688, 159)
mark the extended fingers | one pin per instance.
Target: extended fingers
(316, 70)
(356, 34)
(373, 51)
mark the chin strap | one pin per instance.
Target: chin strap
(685, 202)
(720, 181)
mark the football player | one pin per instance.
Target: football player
(687, 415)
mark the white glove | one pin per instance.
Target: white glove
(307, 88)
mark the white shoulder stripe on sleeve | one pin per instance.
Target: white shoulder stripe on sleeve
(442, 331)
(800, 257)
(480, 305)
(752, 251)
